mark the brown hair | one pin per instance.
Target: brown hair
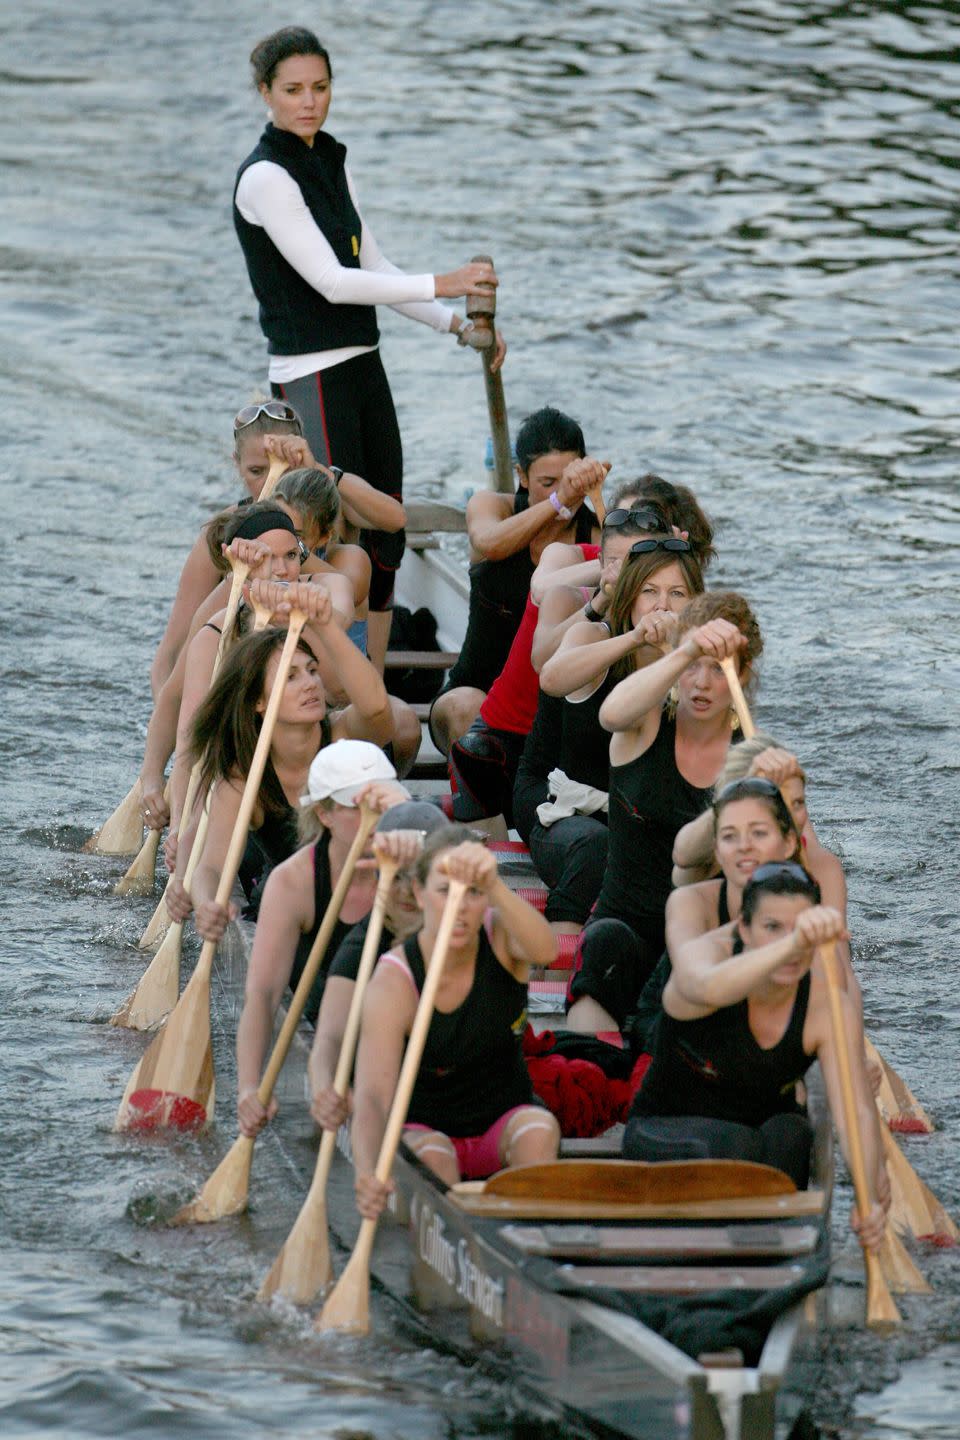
(313, 494)
(440, 840)
(222, 529)
(681, 508)
(226, 725)
(726, 605)
(634, 573)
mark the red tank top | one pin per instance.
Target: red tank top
(511, 702)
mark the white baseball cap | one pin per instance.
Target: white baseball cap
(341, 770)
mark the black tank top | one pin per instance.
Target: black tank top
(649, 802)
(714, 1066)
(322, 890)
(472, 1069)
(498, 597)
(584, 744)
(639, 1026)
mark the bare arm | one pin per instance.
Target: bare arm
(562, 608)
(326, 1107)
(521, 936)
(286, 911)
(586, 652)
(562, 564)
(694, 850)
(197, 578)
(368, 716)
(367, 508)
(388, 1010)
(211, 919)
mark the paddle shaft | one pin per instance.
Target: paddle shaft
(729, 667)
(599, 509)
(879, 1303)
(318, 949)
(348, 1305)
(481, 308)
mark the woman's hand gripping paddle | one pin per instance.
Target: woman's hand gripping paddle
(302, 1268)
(174, 1082)
(348, 1306)
(225, 1193)
(881, 1310)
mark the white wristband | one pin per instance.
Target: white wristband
(561, 510)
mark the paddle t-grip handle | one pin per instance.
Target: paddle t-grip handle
(481, 307)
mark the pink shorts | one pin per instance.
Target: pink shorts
(478, 1155)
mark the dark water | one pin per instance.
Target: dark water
(726, 236)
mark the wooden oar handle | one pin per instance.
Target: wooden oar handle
(729, 668)
(418, 1034)
(278, 468)
(238, 579)
(596, 500)
(368, 958)
(481, 308)
(251, 787)
(368, 819)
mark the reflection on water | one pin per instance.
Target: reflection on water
(726, 240)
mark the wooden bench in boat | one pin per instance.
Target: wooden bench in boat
(633, 1189)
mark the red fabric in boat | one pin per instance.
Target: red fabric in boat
(585, 1101)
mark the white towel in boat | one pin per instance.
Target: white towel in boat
(569, 797)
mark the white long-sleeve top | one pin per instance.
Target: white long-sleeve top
(269, 196)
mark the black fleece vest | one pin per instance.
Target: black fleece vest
(294, 317)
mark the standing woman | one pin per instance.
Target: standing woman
(668, 748)
(318, 273)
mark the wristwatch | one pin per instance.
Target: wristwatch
(561, 510)
(591, 614)
(337, 474)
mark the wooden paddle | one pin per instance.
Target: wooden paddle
(595, 497)
(913, 1205)
(225, 1193)
(481, 307)
(139, 878)
(174, 1082)
(348, 1306)
(881, 1310)
(278, 468)
(160, 921)
(302, 1268)
(729, 667)
(899, 1106)
(122, 834)
(156, 993)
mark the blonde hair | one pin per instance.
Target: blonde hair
(741, 757)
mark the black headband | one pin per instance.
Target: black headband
(262, 521)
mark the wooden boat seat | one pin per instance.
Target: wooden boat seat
(685, 1279)
(632, 1189)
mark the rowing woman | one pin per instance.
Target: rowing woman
(225, 731)
(664, 761)
(508, 535)
(745, 1014)
(344, 776)
(562, 782)
(318, 275)
(472, 1110)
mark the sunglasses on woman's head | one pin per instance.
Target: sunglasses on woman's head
(782, 869)
(636, 519)
(674, 544)
(749, 785)
(273, 409)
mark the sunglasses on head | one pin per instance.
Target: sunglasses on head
(749, 785)
(782, 870)
(673, 544)
(273, 409)
(638, 519)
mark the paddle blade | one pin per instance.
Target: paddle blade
(139, 879)
(899, 1106)
(348, 1305)
(149, 1110)
(158, 924)
(882, 1313)
(302, 1269)
(122, 834)
(173, 1085)
(898, 1269)
(155, 996)
(913, 1205)
(226, 1192)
